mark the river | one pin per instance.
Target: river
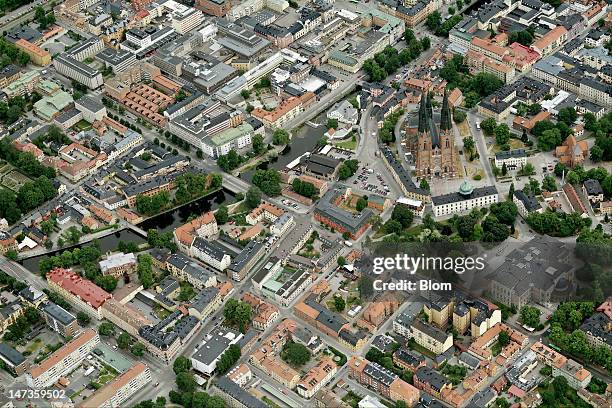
(167, 221)
(304, 140)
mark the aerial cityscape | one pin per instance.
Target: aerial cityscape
(306, 203)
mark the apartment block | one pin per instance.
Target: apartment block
(113, 394)
(63, 360)
(83, 294)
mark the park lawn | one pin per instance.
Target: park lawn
(33, 346)
(514, 144)
(82, 125)
(347, 144)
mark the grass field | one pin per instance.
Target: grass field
(347, 144)
(82, 125)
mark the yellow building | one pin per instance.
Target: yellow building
(37, 55)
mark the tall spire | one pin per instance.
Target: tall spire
(429, 106)
(445, 114)
(423, 118)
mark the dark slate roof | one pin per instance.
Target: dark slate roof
(457, 197)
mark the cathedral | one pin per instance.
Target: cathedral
(433, 146)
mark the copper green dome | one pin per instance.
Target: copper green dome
(466, 188)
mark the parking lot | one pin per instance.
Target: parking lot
(368, 180)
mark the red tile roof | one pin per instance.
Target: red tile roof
(85, 289)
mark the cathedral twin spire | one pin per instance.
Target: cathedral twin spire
(426, 114)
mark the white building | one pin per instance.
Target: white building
(87, 48)
(91, 109)
(211, 253)
(119, 390)
(343, 112)
(73, 69)
(526, 204)
(513, 159)
(250, 7)
(62, 361)
(184, 18)
(465, 199)
(207, 353)
(282, 224)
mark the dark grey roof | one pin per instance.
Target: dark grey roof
(507, 154)
(352, 222)
(408, 357)
(457, 197)
(430, 330)
(530, 202)
(597, 326)
(10, 354)
(593, 187)
(215, 344)
(469, 360)
(350, 337)
(482, 399)
(211, 248)
(204, 298)
(401, 172)
(330, 319)
(58, 313)
(379, 373)
(321, 164)
(233, 390)
(431, 377)
(248, 252)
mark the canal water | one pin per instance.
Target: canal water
(107, 243)
(170, 220)
(163, 222)
(304, 140)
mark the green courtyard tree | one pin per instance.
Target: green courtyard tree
(253, 197)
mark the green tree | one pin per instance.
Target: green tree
(186, 382)
(106, 329)
(549, 139)
(339, 303)
(502, 134)
(361, 204)
(268, 181)
(280, 137)
(253, 197)
(145, 270)
(124, 341)
(181, 364)
(221, 215)
(258, 144)
(347, 169)
(488, 126)
(567, 115)
(138, 349)
(332, 123)
(83, 319)
(402, 214)
(503, 338)
(549, 183)
(295, 354)
(530, 316)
